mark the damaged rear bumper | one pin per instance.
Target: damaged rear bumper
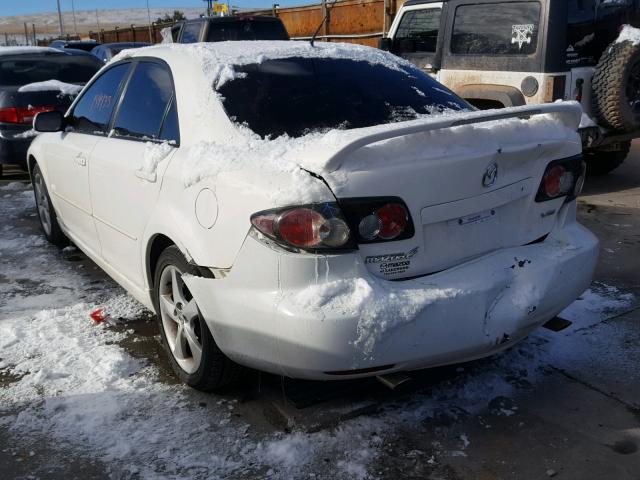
(327, 317)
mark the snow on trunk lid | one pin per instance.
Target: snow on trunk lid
(469, 189)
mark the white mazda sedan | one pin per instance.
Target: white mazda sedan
(321, 212)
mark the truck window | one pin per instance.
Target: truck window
(246, 29)
(191, 32)
(496, 29)
(418, 30)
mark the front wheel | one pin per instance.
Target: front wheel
(601, 162)
(193, 353)
(46, 213)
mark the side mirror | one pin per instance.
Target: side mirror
(52, 121)
(385, 43)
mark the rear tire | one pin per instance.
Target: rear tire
(46, 213)
(193, 353)
(616, 87)
(601, 162)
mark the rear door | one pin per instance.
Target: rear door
(127, 166)
(68, 160)
(415, 35)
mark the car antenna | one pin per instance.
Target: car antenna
(326, 15)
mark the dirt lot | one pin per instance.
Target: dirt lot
(79, 400)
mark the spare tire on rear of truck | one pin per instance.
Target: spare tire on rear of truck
(616, 87)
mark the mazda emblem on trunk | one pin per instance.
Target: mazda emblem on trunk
(490, 175)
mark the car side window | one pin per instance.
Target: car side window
(145, 102)
(191, 32)
(418, 30)
(170, 128)
(93, 111)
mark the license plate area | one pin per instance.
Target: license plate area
(475, 218)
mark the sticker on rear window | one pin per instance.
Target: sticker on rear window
(521, 34)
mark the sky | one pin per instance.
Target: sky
(9, 7)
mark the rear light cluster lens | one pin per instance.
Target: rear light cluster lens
(378, 219)
(21, 115)
(562, 178)
(309, 227)
(386, 223)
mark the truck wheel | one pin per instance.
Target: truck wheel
(616, 87)
(193, 353)
(601, 162)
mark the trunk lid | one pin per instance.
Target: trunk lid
(469, 181)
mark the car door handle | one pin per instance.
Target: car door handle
(81, 159)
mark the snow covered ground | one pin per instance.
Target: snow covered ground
(73, 385)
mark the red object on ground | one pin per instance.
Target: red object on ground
(99, 315)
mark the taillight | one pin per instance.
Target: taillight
(308, 227)
(21, 115)
(378, 219)
(562, 178)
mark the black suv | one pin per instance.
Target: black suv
(219, 29)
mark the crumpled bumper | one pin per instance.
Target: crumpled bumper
(326, 317)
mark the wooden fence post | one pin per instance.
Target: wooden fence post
(117, 35)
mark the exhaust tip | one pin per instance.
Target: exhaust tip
(394, 380)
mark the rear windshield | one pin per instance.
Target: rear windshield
(246, 30)
(496, 29)
(25, 69)
(297, 96)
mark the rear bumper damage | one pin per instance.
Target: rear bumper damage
(327, 317)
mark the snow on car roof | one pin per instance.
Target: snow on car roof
(218, 58)
(26, 50)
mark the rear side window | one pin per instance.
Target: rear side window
(191, 32)
(496, 29)
(246, 30)
(296, 96)
(170, 130)
(145, 103)
(25, 69)
(93, 111)
(418, 30)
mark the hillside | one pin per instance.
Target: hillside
(47, 23)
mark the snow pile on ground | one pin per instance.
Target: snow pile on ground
(26, 350)
(52, 86)
(380, 307)
(629, 34)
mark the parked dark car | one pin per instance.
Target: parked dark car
(219, 29)
(86, 45)
(107, 51)
(25, 66)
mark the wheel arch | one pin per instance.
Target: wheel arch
(504, 95)
(31, 161)
(155, 246)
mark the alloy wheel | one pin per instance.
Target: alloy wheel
(180, 320)
(42, 203)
